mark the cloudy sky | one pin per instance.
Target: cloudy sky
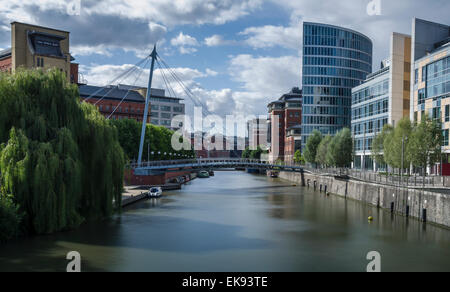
(235, 55)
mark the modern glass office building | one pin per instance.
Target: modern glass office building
(382, 99)
(335, 60)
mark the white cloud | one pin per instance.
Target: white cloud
(187, 51)
(270, 36)
(217, 40)
(184, 40)
(210, 72)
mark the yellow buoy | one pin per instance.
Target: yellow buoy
(370, 218)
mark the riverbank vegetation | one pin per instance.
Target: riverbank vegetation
(254, 154)
(409, 144)
(330, 151)
(61, 163)
(160, 139)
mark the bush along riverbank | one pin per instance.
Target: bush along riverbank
(61, 163)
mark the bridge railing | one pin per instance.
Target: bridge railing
(208, 161)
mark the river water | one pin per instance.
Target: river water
(239, 222)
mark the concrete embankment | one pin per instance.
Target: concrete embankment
(423, 205)
(133, 194)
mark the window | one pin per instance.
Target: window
(165, 116)
(447, 113)
(166, 108)
(416, 78)
(155, 107)
(424, 73)
(446, 138)
(178, 109)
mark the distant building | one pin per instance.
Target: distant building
(382, 99)
(430, 90)
(163, 108)
(257, 133)
(39, 47)
(288, 108)
(335, 60)
(132, 103)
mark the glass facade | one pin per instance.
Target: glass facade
(370, 110)
(335, 60)
(438, 78)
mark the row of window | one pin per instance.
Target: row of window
(369, 127)
(325, 130)
(322, 120)
(335, 52)
(370, 109)
(336, 62)
(177, 109)
(333, 41)
(368, 93)
(162, 115)
(327, 100)
(326, 110)
(340, 72)
(162, 122)
(322, 30)
(331, 81)
(319, 90)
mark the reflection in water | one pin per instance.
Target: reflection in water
(239, 222)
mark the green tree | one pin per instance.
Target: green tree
(298, 158)
(159, 138)
(322, 151)
(246, 153)
(424, 146)
(378, 144)
(60, 160)
(340, 149)
(396, 143)
(311, 146)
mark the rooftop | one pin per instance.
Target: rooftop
(5, 53)
(111, 92)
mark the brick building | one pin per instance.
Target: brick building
(35, 46)
(109, 97)
(288, 108)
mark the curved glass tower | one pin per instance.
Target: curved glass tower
(335, 60)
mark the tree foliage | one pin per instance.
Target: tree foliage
(394, 141)
(61, 162)
(424, 147)
(298, 158)
(340, 149)
(322, 151)
(311, 146)
(378, 144)
(129, 132)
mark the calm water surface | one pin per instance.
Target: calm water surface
(239, 222)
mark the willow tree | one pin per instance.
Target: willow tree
(61, 162)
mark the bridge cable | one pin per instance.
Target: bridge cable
(123, 74)
(129, 89)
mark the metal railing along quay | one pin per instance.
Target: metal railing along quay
(412, 181)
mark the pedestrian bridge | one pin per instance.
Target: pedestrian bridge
(159, 167)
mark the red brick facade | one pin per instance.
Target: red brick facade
(289, 110)
(6, 65)
(127, 110)
(74, 73)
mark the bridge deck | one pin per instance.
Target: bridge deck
(158, 167)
